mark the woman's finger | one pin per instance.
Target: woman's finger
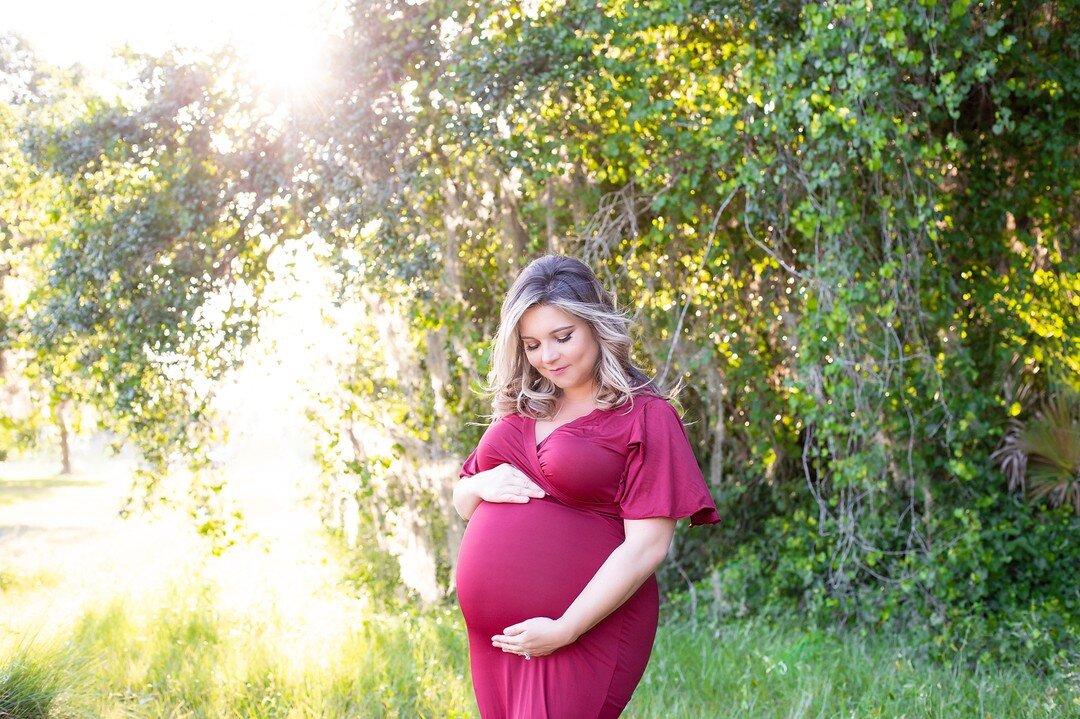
(511, 643)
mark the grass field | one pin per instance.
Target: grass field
(107, 618)
(187, 658)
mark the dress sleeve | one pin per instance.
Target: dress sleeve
(472, 462)
(470, 467)
(662, 475)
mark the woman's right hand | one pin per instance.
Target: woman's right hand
(505, 483)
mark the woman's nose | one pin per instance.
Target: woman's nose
(550, 353)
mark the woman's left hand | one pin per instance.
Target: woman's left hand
(534, 637)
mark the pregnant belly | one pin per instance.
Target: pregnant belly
(519, 561)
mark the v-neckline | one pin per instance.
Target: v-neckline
(532, 427)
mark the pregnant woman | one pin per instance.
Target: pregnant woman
(571, 498)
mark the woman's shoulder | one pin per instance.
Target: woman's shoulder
(651, 402)
(637, 407)
(655, 412)
(513, 419)
(498, 422)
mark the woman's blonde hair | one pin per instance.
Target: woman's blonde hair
(570, 285)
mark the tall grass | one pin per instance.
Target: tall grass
(37, 681)
(753, 669)
(185, 659)
(29, 687)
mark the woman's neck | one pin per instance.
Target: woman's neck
(586, 399)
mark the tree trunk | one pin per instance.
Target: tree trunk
(554, 246)
(515, 231)
(715, 387)
(65, 444)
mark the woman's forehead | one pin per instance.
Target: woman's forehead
(542, 320)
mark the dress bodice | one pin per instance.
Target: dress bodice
(630, 462)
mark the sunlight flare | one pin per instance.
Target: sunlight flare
(284, 47)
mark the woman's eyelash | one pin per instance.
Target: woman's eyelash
(557, 339)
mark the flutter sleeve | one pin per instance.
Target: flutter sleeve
(488, 440)
(471, 466)
(662, 477)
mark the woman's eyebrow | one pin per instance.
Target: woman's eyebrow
(555, 331)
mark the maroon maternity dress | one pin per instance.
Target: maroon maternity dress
(519, 561)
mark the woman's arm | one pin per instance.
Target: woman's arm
(621, 574)
(466, 498)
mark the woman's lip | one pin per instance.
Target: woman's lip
(558, 371)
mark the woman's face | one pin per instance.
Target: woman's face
(562, 348)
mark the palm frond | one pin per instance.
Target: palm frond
(1051, 443)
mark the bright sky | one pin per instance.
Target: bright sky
(281, 40)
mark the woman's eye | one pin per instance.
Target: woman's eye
(561, 340)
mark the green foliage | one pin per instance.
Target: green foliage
(1052, 446)
(141, 227)
(1004, 589)
(164, 201)
(996, 587)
